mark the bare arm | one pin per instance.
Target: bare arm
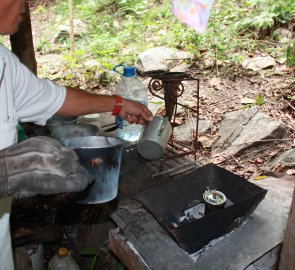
(78, 102)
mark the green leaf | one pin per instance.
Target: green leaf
(120, 267)
(88, 251)
(93, 263)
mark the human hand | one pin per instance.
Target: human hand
(135, 112)
(40, 165)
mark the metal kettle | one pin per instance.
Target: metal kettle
(154, 138)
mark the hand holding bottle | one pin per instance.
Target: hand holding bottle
(135, 112)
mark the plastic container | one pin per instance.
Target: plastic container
(130, 87)
(63, 260)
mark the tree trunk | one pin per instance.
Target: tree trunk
(287, 260)
(70, 4)
(22, 43)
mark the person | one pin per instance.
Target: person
(41, 165)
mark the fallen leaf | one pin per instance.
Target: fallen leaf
(290, 171)
(215, 82)
(256, 160)
(179, 121)
(207, 140)
(279, 168)
(246, 100)
(218, 159)
(259, 177)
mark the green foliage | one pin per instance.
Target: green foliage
(118, 30)
(92, 252)
(264, 14)
(291, 54)
(43, 46)
(259, 100)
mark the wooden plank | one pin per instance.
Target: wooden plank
(128, 255)
(154, 245)
(287, 259)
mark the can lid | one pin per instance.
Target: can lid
(62, 252)
(129, 71)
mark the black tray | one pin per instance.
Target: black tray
(167, 202)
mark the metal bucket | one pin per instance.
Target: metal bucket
(101, 156)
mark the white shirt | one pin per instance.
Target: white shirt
(24, 97)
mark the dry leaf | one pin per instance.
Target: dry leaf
(246, 100)
(259, 177)
(218, 159)
(207, 140)
(179, 121)
(256, 160)
(279, 168)
(290, 171)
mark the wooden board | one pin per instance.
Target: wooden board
(157, 250)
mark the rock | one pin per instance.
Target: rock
(159, 59)
(259, 63)
(204, 125)
(282, 35)
(183, 133)
(80, 28)
(181, 68)
(244, 129)
(286, 159)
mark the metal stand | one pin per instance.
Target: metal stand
(169, 87)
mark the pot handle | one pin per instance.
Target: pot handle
(164, 122)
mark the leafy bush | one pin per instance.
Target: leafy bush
(118, 30)
(265, 14)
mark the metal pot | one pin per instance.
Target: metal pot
(101, 156)
(57, 120)
(154, 138)
(63, 132)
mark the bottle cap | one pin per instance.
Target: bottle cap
(62, 252)
(129, 71)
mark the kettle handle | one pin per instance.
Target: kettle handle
(163, 125)
(117, 66)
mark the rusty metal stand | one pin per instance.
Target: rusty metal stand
(169, 87)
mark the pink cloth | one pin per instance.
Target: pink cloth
(194, 13)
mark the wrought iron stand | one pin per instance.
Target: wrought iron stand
(169, 87)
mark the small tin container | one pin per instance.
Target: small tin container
(154, 138)
(214, 200)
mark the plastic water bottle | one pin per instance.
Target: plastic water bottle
(130, 87)
(62, 260)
